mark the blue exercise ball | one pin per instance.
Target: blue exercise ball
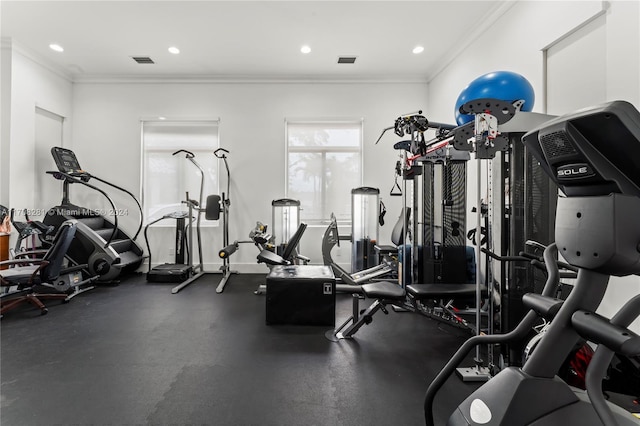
(503, 85)
(460, 117)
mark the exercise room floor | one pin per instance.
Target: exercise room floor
(136, 354)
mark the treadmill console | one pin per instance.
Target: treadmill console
(67, 162)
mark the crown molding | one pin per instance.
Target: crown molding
(484, 23)
(8, 43)
(247, 79)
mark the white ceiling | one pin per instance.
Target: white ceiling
(246, 39)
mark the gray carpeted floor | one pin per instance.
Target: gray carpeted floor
(136, 354)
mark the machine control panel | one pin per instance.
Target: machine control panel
(67, 162)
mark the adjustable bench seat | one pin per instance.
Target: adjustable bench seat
(442, 291)
(386, 290)
(270, 258)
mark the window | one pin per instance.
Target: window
(167, 178)
(324, 162)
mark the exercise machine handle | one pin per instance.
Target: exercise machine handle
(146, 239)
(188, 154)
(602, 331)
(518, 333)
(223, 156)
(601, 360)
(129, 193)
(217, 152)
(519, 258)
(70, 178)
(227, 251)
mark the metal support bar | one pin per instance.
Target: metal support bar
(182, 285)
(356, 319)
(226, 274)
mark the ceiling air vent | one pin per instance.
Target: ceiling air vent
(346, 59)
(143, 59)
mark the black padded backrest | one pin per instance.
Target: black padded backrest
(294, 241)
(57, 251)
(398, 232)
(212, 209)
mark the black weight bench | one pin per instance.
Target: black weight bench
(390, 293)
(384, 293)
(440, 291)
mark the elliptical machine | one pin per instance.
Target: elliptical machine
(587, 154)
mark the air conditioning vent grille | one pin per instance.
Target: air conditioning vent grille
(346, 59)
(143, 59)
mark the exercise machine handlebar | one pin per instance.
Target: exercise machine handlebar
(222, 154)
(218, 151)
(188, 154)
(188, 201)
(518, 333)
(83, 180)
(129, 193)
(69, 171)
(602, 359)
(228, 250)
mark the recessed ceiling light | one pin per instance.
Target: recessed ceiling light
(56, 47)
(162, 118)
(174, 50)
(418, 49)
(305, 49)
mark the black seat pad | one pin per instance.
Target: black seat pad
(436, 291)
(386, 249)
(383, 290)
(270, 258)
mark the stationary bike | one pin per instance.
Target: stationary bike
(589, 156)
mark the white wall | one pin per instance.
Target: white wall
(5, 119)
(26, 84)
(515, 43)
(106, 130)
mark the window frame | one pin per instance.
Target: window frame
(323, 150)
(143, 170)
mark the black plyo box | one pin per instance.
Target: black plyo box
(301, 295)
